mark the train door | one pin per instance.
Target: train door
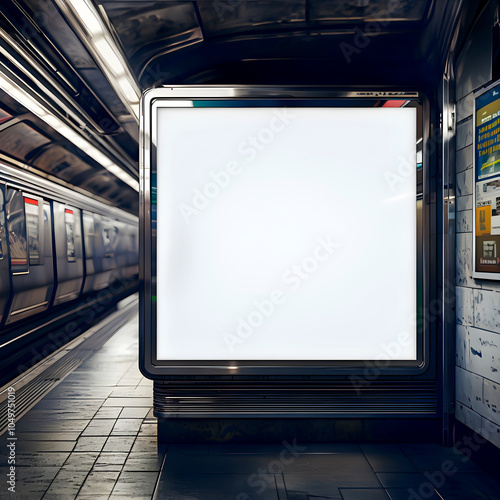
(104, 257)
(89, 235)
(132, 254)
(30, 246)
(120, 249)
(4, 262)
(69, 254)
(111, 237)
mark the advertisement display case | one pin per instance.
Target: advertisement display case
(281, 231)
(486, 196)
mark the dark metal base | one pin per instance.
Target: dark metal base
(310, 430)
(481, 451)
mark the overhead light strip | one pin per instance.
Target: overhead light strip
(26, 100)
(60, 98)
(95, 35)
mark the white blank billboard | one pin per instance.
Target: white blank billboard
(286, 233)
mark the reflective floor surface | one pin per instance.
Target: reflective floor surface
(94, 437)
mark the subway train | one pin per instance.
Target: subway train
(60, 252)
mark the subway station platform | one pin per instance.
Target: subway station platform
(93, 436)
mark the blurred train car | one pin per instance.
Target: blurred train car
(57, 247)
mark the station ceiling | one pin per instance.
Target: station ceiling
(86, 62)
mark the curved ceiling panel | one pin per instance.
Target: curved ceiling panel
(234, 41)
(26, 139)
(86, 62)
(367, 10)
(144, 28)
(57, 160)
(20, 140)
(225, 17)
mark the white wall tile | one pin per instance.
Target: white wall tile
(464, 159)
(463, 254)
(464, 133)
(465, 107)
(490, 431)
(465, 307)
(469, 389)
(491, 401)
(487, 310)
(468, 417)
(464, 221)
(462, 345)
(483, 357)
(464, 202)
(464, 183)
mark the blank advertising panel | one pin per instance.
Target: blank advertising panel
(285, 233)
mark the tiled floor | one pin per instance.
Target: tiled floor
(94, 437)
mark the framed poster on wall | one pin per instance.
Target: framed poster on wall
(486, 220)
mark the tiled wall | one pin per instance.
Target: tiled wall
(477, 305)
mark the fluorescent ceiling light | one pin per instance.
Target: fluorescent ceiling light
(107, 54)
(127, 89)
(59, 126)
(87, 15)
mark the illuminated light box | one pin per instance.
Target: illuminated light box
(486, 225)
(282, 231)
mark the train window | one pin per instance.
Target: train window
(46, 213)
(32, 212)
(69, 218)
(2, 225)
(46, 221)
(89, 233)
(109, 239)
(16, 228)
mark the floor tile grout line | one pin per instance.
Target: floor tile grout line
(102, 332)
(284, 485)
(80, 434)
(60, 469)
(84, 481)
(371, 466)
(157, 483)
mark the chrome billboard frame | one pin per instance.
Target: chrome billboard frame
(160, 369)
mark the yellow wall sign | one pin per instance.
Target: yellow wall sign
(483, 220)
